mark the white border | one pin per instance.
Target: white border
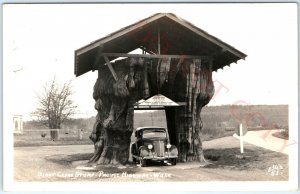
(291, 185)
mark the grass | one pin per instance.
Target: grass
(33, 138)
(253, 158)
(283, 134)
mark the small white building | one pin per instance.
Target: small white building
(18, 123)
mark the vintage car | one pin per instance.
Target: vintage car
(153, 144)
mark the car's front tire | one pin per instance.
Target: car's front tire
(143, 162)
(173, 161)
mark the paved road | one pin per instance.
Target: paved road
(265, 139)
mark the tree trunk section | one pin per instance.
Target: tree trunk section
(188, 81)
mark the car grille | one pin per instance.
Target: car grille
(159, 148)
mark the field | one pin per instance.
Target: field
(34, 138)
(218, 121)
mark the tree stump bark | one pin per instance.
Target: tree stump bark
(188, 81)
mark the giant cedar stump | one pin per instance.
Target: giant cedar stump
(188, 80)
(177, 61)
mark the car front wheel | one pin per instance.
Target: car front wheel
(173, 161)
(143, 162)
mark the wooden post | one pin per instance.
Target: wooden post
(241, 138)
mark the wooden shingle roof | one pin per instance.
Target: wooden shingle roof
(177, 37)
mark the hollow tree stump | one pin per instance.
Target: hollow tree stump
(182, 80)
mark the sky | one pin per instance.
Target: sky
(39, 43)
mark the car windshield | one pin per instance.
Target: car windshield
(154, 134)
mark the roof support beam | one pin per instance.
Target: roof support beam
(111, 68)
(154, 56)
(147, 50)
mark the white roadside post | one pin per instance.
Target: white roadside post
(241, 138)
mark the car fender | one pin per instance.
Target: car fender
(173, 151)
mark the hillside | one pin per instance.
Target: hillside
(213, 117)
(218, 121)
(268, 116)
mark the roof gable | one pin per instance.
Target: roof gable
(176, 36)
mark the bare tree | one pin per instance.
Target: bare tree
(55, 104)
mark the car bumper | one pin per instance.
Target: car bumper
(158, 158)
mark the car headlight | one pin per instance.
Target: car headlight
(150, 146)
(168, 146)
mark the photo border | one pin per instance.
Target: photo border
(165, 186)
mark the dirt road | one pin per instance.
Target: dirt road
(67, 163)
